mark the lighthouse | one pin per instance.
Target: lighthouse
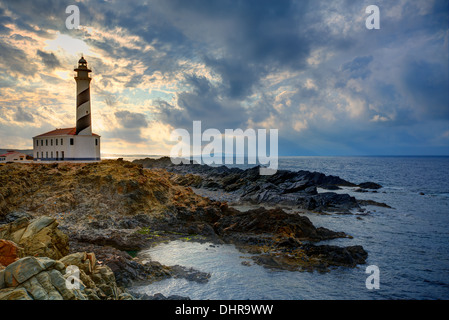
(83, 118)
(76, 143)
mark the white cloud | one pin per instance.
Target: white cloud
(379, 118)
(300, 125)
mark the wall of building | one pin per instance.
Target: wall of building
(67, 148)
(13, 156)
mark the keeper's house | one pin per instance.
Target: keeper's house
(66, 145)
(13, 156)
(72, 144)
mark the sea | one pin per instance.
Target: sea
(408, 243)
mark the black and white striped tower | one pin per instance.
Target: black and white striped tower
(83, 118)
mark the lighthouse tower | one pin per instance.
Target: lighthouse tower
(76, 143)
(83, 118)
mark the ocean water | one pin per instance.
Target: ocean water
(408, 243)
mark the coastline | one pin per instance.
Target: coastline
(128, 208)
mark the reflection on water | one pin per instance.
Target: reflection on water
(231, 279)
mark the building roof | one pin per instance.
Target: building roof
(12, 152)
(61, 132)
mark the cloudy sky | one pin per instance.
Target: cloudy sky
(310, 69)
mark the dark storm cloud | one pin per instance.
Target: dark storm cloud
(253, 38)
(49, 59)
(245, 41)
(45, 14)
(427, 85)
(131, 120)
(238, 76)
(16, 60)
(206, 103)
(4, 20)
(130, 127)
(267, 33)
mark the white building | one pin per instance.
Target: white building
(13, 156)
(72, 144)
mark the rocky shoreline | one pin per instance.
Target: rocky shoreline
(298, 190)
(105, 213)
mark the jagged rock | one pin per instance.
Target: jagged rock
(159, 296)
(90, 200)
(14, 294)
(21, 270)
(125, 240)
(125, 296)
(14, 215)
(278, 238)
(93, 275)
(337, 256)
(46, 279)
(43, 278)
(38, 237)
(189, 274)
(78, 259)
(369, 185)
(274, 221)
(289, 188)
(374, 203)
(104, 279)
(9, 252)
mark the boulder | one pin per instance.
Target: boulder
(276, 222)
(33, 278)
(14, 294)
(9, 252)
(42, 238)
(13, 231)
(22, 270)
(370, 185)
(38, 237)
(78, 259)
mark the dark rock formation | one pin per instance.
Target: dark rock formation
(370, 185)
(296, 189)
(282, 240)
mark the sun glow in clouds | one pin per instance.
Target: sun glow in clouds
(67, 44)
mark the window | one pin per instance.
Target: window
(71, 142)
(46, 154)
(57, 154)
(62, 141)
(51, 155)
(51, 142)
(46, 142)
(62, 155)
(37, 143)
(42, 143)
(56, 140)
(42, 155)
(96, 142)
